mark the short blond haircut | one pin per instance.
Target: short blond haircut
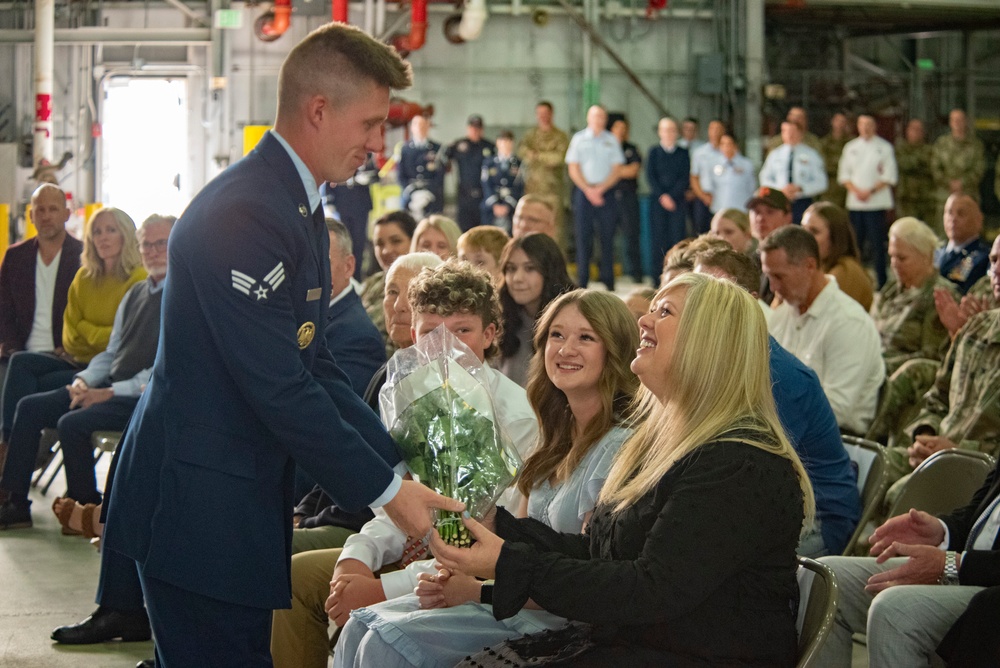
(484, 238)
(335, 61)
(738, 218)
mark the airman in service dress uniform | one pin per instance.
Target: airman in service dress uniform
(502, 183)
(421, 171)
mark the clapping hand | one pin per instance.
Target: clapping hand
(924, 566)
(914, 528)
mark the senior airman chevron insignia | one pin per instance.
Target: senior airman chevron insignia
(245, 284)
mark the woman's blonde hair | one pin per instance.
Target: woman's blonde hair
(446, 226)
(738, 218)
(720, 381)
(557, 453)
(128, 259)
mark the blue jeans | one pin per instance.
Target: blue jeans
(585, 215)
(29, 373)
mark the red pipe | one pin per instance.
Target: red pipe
(277, 26)
(418, 28)
(340, 11)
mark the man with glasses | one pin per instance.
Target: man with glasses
(101, 397)
(534, 213)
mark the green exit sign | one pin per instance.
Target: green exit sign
(229, 19)
(925, 64)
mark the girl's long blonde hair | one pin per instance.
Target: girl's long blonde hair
(720, 381)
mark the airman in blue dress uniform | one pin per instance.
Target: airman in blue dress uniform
(421, 170)
(243, 386)
(352, 202)
(503, 183)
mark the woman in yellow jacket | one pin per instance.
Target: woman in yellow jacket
(109, 266)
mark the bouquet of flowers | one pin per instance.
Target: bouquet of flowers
(438, 408)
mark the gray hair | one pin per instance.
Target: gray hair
(916, 234)
(156, 219)
(344, 241)
(797, 242)
(413, 262)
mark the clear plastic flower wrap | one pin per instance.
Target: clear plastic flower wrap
(437, 405)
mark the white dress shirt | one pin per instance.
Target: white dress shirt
(381, 542)
(838, 340)
(864, 163)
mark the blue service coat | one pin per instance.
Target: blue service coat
(422, 167)
(243, 383)
(964, 266)
(354, 341)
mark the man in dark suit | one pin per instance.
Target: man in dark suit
(965, 258)
(26, 324)
(924, 573)
(242, 388)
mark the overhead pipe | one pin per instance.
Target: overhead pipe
(418, 29)
(45, 30)
(473, 18)
(272, 24)
(340, 11)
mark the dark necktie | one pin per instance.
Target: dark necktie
(791, 165)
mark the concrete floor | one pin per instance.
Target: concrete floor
(48, 580)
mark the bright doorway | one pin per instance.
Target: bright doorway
(144, 162)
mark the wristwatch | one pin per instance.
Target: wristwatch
(950, 574)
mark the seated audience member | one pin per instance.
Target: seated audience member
(534, 272)
(585, 342)
(904, 310)
(100, 398)
(923, 573)
(464, 299)
(954, 312)
(769, 209)
(482, 246)
(392, 235)
(838, 250)
(35, 276)
(534, 213)
(704, 504)
(808, 420)
(733, 227)
(319, 524)
(436, 234)
(823, 327)
(681, 257)
(353, 340)
(963, 261)
(961, 408)
(639, 300)
(110, 266)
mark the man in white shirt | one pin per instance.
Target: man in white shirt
(594, 158)
(795, 169)
(827, 330)
(868, 171)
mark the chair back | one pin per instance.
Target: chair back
(818, 594)
(106, 441)
(873, 480)
(946, 480)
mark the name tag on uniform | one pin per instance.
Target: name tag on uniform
(314, 294)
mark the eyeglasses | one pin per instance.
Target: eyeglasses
(150, 246)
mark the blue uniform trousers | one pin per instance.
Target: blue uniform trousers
(701, 216)
(666, 228)
(51, 409)
(194, 630)
(628, 213)
(28, 373)
(869, 228)
(585, 216)
(799, 207)
(118, 586)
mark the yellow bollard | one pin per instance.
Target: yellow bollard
(89, 209)
(4, 228)
(29, 227)
(251, 135)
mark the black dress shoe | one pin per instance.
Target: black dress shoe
(148, 663)
(105, 625)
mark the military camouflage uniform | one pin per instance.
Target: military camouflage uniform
(915, 190)
(963, 404)
(983, 288)
(831, 148)
(908, 322)
(954, 159)
(545, 169)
